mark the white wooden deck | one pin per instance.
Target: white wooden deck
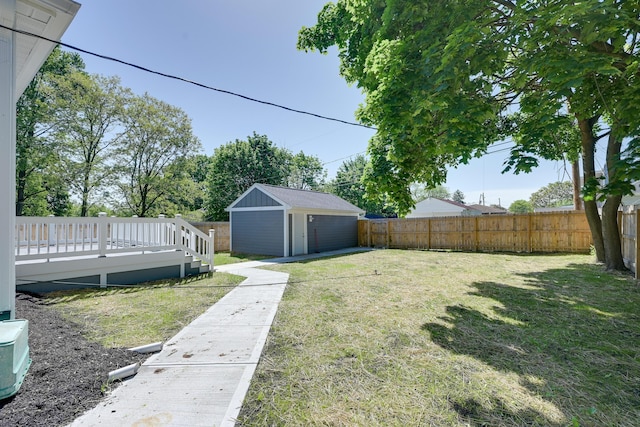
(108, 250)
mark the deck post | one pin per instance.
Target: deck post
(102, 235)
(7, 160)
(212, 247)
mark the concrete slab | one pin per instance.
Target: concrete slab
(173, 396)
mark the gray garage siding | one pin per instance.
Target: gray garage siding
(258, 232)
(329, 233)
(256, 198)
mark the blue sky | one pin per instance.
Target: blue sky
(249, 47)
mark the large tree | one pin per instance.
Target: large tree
(90, 113)
(190, 192)
(39, 191)
(443, 77)
(552, 195)
(421, 192)
(157, 135)
(521, 207)
(306, 172)
(348, 185)
(238, 165)
(458, 196)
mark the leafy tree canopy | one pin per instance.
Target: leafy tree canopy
(348, 185)
(458, 196)
(442, 79)
(306, 172)
(39, 189)
(555, 194)
(520, 207)
(238, 165)
(89, 118)
(421, 192)
(157, 136)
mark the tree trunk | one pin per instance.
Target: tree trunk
(20, 196)
(575, 170)
(84, 210)
(610, 227)
(589, 172)
(611, 233)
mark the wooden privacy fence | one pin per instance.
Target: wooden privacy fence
(537, 232)
(222, 241)
(629, 233)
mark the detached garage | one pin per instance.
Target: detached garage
(282, 221)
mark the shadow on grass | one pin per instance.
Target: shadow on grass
(572, 336)
(96, 291)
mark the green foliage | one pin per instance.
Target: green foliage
(90, 115)
(520, 207)
(443, 79)
(306, 172)
(458, 196)
(552, 195)
(87, 136)
(39, 190)
(190, 185)
(421, 192)
(238, 165)
(348, 185)
(157, 141)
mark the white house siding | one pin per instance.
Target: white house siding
(432, 207)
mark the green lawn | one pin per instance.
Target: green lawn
(138, 315)
(412, 338)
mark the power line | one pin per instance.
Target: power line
(182, 79)
(342, 158)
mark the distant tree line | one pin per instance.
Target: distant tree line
(550, 196)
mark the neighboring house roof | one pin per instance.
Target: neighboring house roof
(631, 200)
(489, 210)
(293, 198)
(554, 209)
(433, 207)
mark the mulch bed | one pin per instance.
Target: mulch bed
(68, 374)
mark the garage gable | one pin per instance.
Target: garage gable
(255, 199)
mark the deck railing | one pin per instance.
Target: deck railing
(58, 237)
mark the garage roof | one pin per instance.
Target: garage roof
(293, 198)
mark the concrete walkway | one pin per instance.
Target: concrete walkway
(202, 374)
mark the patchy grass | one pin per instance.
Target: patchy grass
(411, 338)
(221, 258)
(137, 315)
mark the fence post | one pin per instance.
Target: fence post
(530, 232)
(102, 234)
(476, 242)
(388, 234)
(637, 240)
